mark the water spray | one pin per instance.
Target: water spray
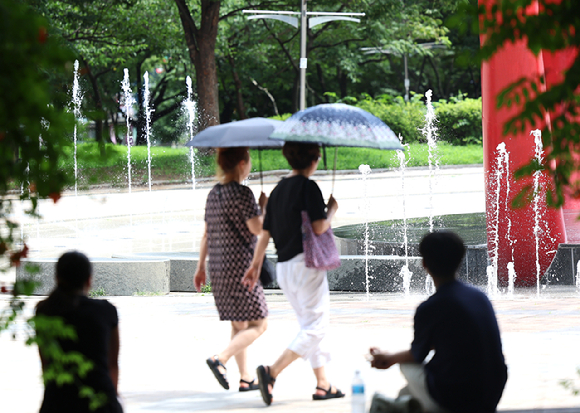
(365, 170)
(189, 105)
(539, 157)
(148, 112)
(430, 133)
(128, 101)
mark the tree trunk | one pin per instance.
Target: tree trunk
(296, 93)
(322, 82)
(98, 103)
(342, 82)
(438, 79)
(201, 46)
(420, 79)
(238, 85)
(141, 116)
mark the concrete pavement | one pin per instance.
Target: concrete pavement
(170, 217)
(166, 339)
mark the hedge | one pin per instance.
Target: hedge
(458, 120)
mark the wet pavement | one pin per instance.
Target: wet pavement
(166, 339)
(104, 221)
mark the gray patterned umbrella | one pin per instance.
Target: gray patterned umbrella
(337, 124)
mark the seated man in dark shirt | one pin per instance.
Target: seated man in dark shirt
(467, 372)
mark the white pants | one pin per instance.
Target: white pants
(417, 387)
(307, 291)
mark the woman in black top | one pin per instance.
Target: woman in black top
(305, 288)
(97, 328)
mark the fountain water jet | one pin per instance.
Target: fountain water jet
(539, 157)
(128, 101)
(578, 276)
(365, 170)
(76, 101)
(430, 133)
(189, 105)
(511, 278)
(429, 285)
(501, 171)
(405, 273)
(148, 112)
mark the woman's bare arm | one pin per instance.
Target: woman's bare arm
(199, 277)
(255, 224)
(320, 226)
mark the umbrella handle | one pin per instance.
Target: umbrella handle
(334, 168)
(260, 167)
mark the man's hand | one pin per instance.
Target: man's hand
(381, 360)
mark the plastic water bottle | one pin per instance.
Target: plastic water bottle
(358, 393)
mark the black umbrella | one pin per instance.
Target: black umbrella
(252, 132)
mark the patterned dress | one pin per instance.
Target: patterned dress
(230, 249)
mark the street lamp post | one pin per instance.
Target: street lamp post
(306, 22)
(303, 58)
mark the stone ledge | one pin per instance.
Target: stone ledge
(182, 267)
(165, 272)
(564, 266)
(113, 276)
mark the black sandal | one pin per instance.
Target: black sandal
(265, 379)
(328, 394)
(252, 385)
(213, 364)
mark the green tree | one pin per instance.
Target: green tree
(554, 29)
(267, 52)
(34, 125)
(200, 21)
(109, 35)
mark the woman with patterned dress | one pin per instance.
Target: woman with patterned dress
(232, 222)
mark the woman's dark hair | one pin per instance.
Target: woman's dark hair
(229, 158)
(73, 269)
(442, 252)
(300, 155)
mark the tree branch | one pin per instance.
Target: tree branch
(190, 29)
(263, 89)
(282, 45)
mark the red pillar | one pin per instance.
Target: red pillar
(515, 235)
(555, 65)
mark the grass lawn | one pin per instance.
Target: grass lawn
(173, 164)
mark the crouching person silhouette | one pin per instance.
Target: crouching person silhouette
(467, 372)
(97, 339)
